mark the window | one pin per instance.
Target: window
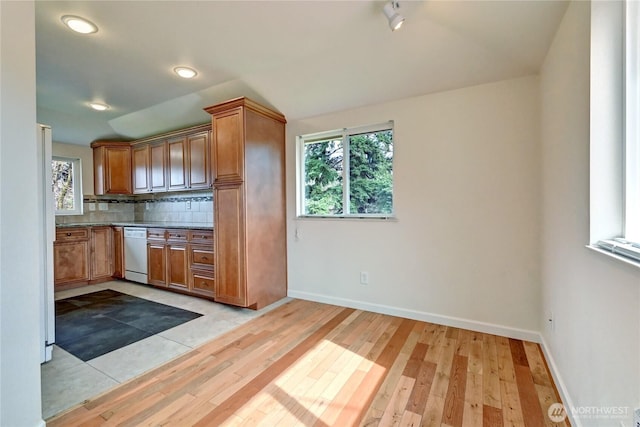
(347, 173)
(67, 185)
(615, 151)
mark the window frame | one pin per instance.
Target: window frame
(343, 134)
(77, 187)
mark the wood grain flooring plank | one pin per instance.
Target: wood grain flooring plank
(512, 415)
(536, 364)
(547, 397)
(473, 401)
(441, 378)
(415, 360)
(420, 393)
(531, 410)
(410, 419)
(432, 416)
(517, 352)
(492, 417)
(464, 336)
(475, 353)
(490, 372)
(454, 401)
(505, 360)
(398, 402)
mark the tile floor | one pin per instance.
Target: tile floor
(67, 380)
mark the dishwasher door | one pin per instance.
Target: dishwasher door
(135, 254)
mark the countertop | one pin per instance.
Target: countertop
(189, 225)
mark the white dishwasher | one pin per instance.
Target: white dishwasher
(135, 254)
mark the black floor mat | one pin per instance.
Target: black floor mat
(94, 324)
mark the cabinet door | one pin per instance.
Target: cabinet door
(101, 253)
(118, 170)
(229, 250)
(156, 263)
(158, 174)
(227, 146)
(140, 159)
(177, 266)
(177, 163)
(118, 252)
(71, 262)
(198, 167)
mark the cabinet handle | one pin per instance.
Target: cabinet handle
(68, 234)
(205, 258)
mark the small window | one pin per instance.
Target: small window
(67, 185)
(347, 173)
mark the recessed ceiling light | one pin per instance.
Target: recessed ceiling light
(79, 25)
(185, 72)
(98, 106)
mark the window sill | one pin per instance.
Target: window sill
(615, 256)
(347, 217)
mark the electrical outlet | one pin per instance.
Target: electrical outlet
(147, 206)
(92, 206)
(550, 321)
(364, 278)
(103, 206)
(188, 205)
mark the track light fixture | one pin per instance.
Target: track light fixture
(391, 12)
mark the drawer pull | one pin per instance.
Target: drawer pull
(68, 234)
(205, 258)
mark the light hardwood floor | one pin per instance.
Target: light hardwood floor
(311, 364)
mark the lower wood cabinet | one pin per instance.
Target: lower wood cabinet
(182, 260)
(118, 252)
(82, 255)
(71, 257)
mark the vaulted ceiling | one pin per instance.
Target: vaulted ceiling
(302, 58)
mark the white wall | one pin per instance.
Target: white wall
(20, 244)
(466, 241)
(595, 300)
(85, 154)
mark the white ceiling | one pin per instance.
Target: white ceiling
(302, 58)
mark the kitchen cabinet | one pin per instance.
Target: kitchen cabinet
(118, 252)
(189, 162)
(82, 255)
(247, 152)
(71, 257)
(111, 167)
(149, 167)
(101, 253)
(167, 258)
(156, 257)
(181, 260)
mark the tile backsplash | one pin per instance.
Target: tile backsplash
(196, 207)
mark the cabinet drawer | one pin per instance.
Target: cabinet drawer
(202, 282)
(177, 235)
(201, 236)
(202, 256)
(156, 233)
(71, 234)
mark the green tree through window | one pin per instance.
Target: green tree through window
(366, 189)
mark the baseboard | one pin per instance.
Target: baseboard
(488, 328)
(557, 379)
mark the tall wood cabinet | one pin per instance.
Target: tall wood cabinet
(247, 152)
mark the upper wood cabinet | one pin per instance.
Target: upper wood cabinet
(228, 150)
(111, 167)
(247, 147)
(149, 167)
(189, 165)
(173, 161)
